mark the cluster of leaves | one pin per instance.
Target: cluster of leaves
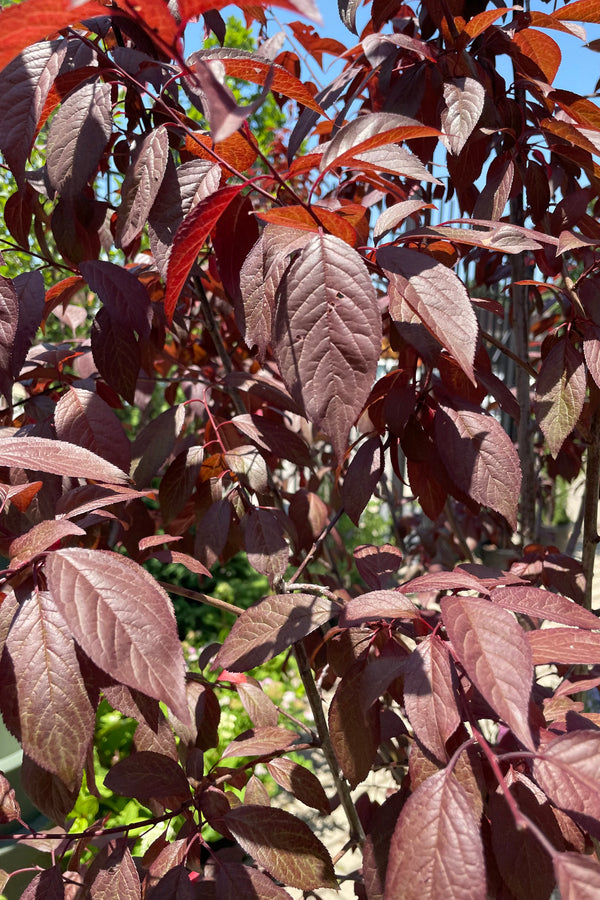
(257, 293)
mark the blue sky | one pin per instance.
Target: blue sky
(579, 71)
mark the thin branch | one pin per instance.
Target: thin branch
(504, 349)
(202, 598)
(315, 547)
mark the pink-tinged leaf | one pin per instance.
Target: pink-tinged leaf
(429, 695)
(56, 716)
(48, 885)
(119, 616)
(457, 580)
(369, 132)
(577, 876)
(235, 881)
(260, 276)
(480, 458)
(393, 160)
(81, 417)
(88, 497)
(122, 294)
(566, 646)
(354, 730)
(568, 773)
(591, 350)
(40, 538)
(328, 335)
(283, 845)
(249, 466)
(494, 651)
(464, 99)
(300, 782)
(78, 135)
(119, 879)
(362, 477)
(24, 86)
(449, 860)
(46, 791)
(492, 201)
(265, 543)
(189, 240)
(383, 604)
(397, 213)
(9, 319)
(535, 602)
(225, 116)
(260, 708)
(154, 444)
(502, 237)
(437, 296)
(269, 627)
(148, 776)
(116, 353)
(141, 184)
(262, 741)
(378, 566)
(560, 393)
(58, 458)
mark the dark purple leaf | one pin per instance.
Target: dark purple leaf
(328, 335)
(39, 538)
(48, 885)
(9, 320)
(354, 729)
(102, 596)
(154, 444)
(300, 782)
(81, 417)
(567, 771)
(56, 716)
(577, 876)
(378, 566)
(560, 393)
(378, 605)
(46, 791)
(174, 885)
(429, 695)
(122, 294)
(265, 544)
(376, 849)
(24, 86)
(283, 845)
(234, 236)
(179, 481)
(494, 651)
(141, 184)
(260, 275)
(147, 776)
(58, 458)
(116, 353)
(269, 627)
(273, 435)
(256, 793)
(464, 99)
(438, 298)
(535, 602)
(235, 881)
(362, 477)
(31, 293)
(447, 858)
(480, 458)
(262, 741)
(212, 531)
(89, 497)
(347, 10)
(78, 135)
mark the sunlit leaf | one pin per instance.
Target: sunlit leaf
(464, 99)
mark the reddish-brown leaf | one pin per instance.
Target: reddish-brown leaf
(235, 881)
(39, 538)
(46, 791)
(300, 782)
(436, 848)
(369, 132)
(9, 808)
(58, 458)
(437, 296)
(577, 876)
(81, 417)
(568, 646)
(141, 184)
(283, 845)
(154, 444)
(47, 885)
(98, 594)
(119, 879)
(429, 695)
(260, 708)
(265, 543)
(378, 566)
(116, 353)
(362, 477)
(189, 240)
(464, 99)
(568, 773)
(328, 335)
(354, 730)
(579, 11)
(560, 393)
(298, 217)
(493, 649)
(261, 741)
(541, 49)
(397, 213)
(535, 602)
(147, 776)
(382, 604)
(269, 627)
(480, 458)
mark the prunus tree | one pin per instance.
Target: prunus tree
(239, 346)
